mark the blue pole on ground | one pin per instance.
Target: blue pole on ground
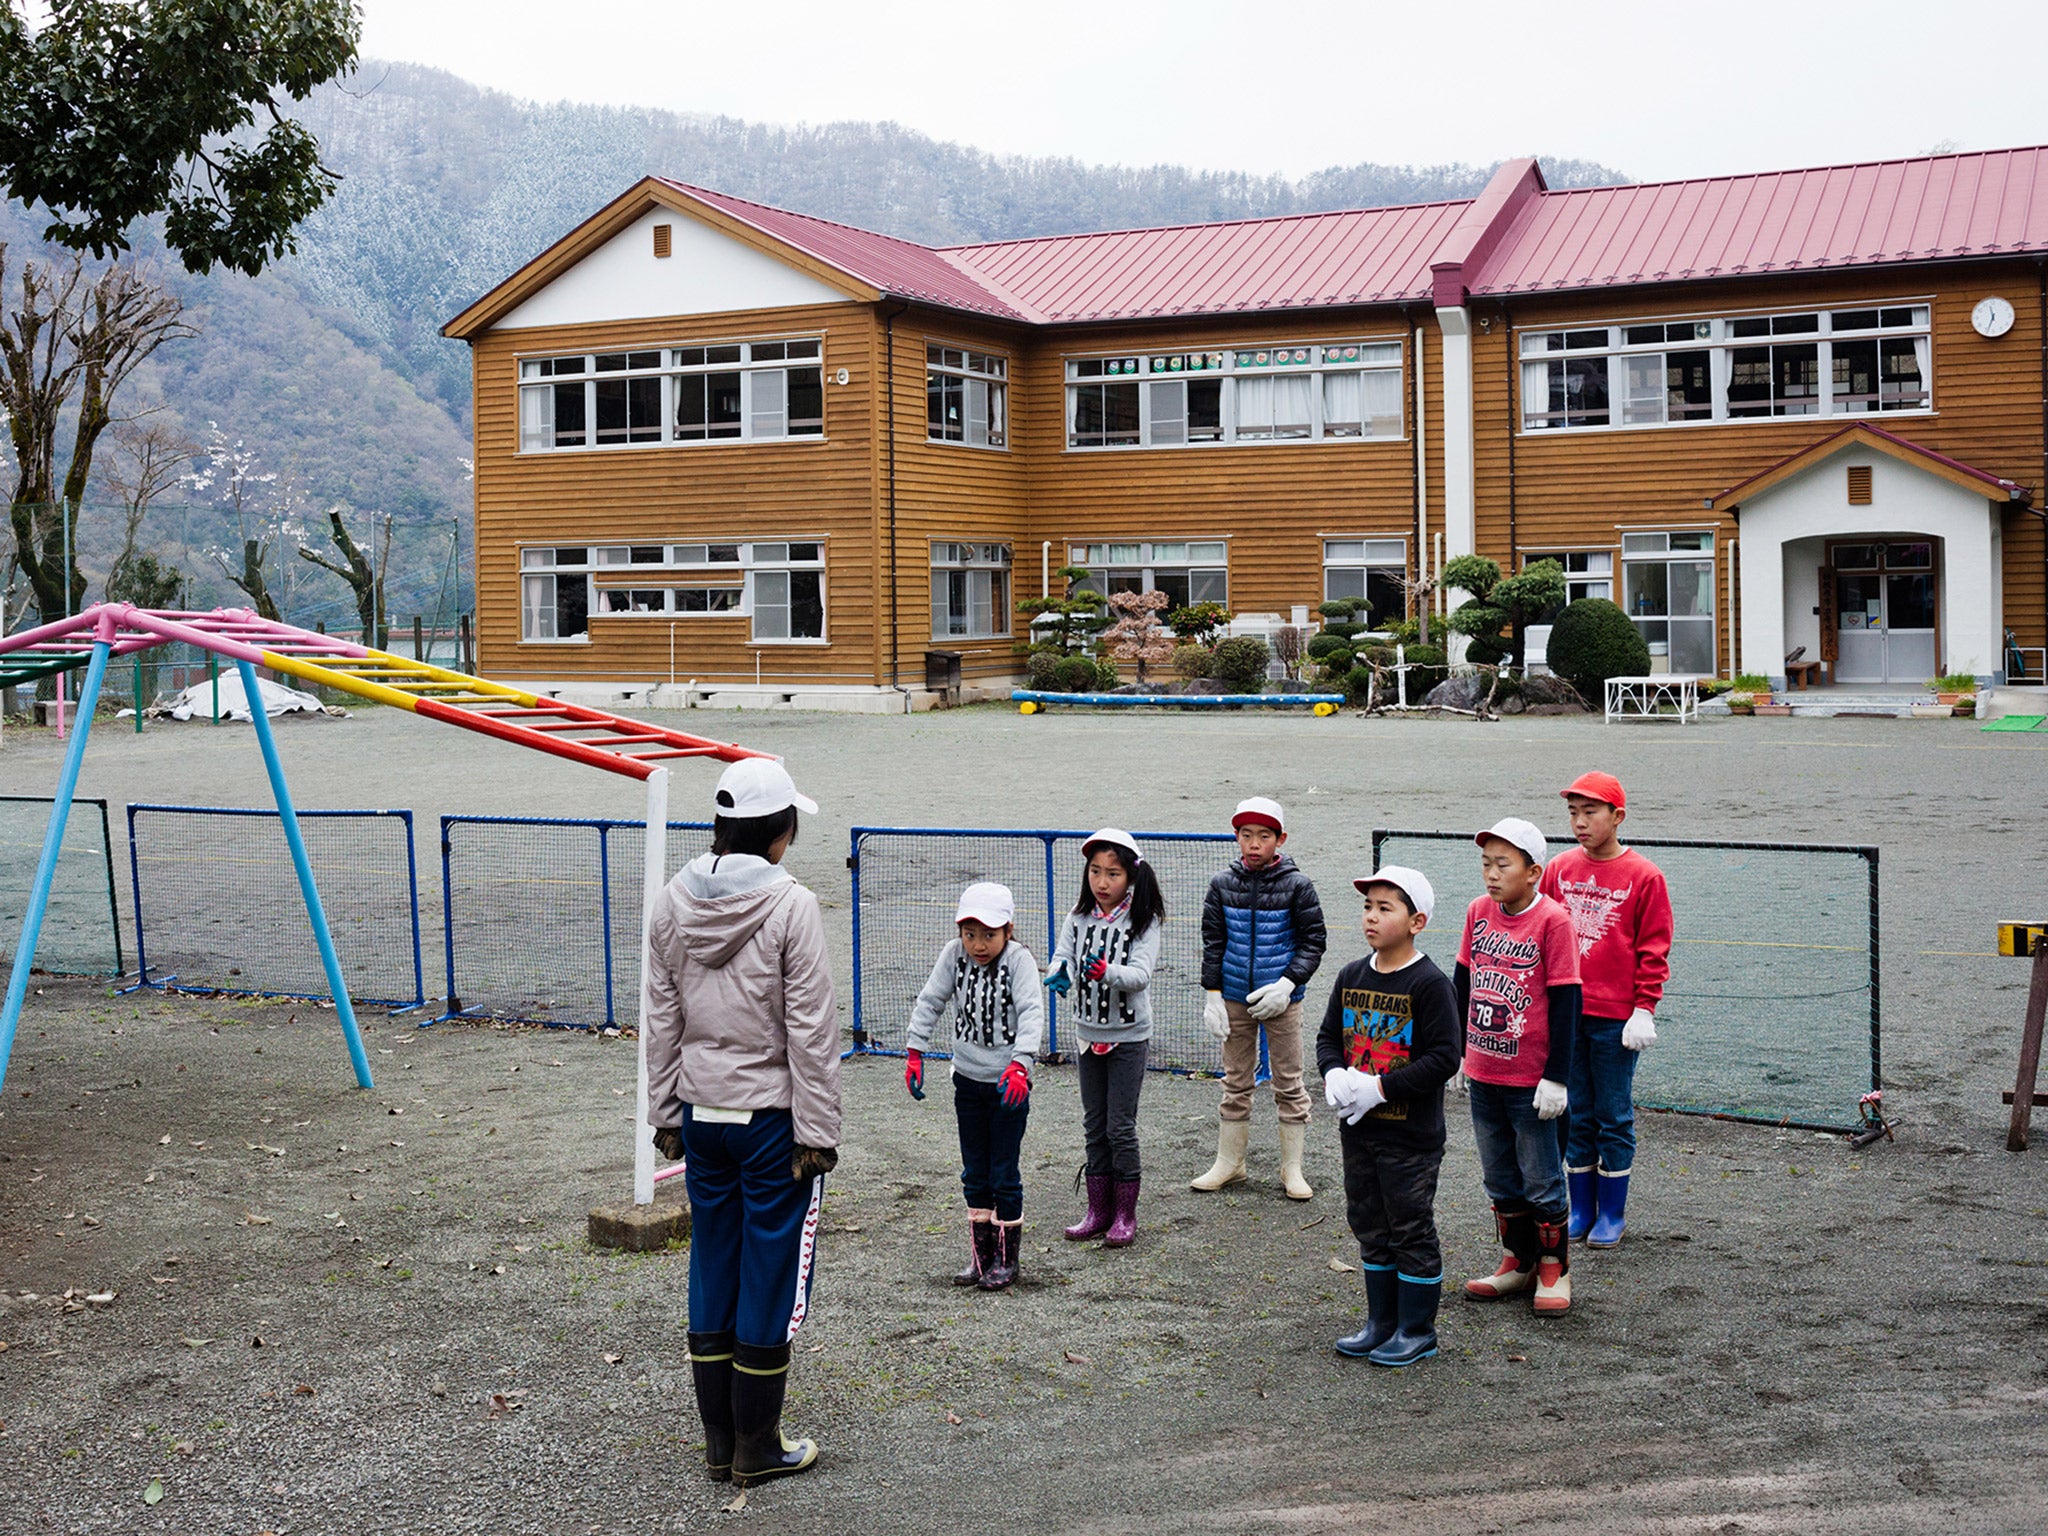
(314, 911)
(53, 844)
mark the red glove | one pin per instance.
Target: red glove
(1016, 1085)
(1096, 968)
(913, 1074)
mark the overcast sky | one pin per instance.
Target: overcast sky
(1656, 90)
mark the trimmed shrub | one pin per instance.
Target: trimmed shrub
(1358, 685)
(1075, 674)
(1323, 646)
(1593, 640)
(1042, 671)
(1193, 661)
(1426, 670)
(1242, 663)
(1106, 674)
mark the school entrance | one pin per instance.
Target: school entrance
(1886, 610)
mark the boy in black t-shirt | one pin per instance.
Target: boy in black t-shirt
(1389, 1043)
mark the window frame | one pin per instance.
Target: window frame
(1230, 365)
(736, 563)
(1721, 336)
(1576, 578)
(980, 558)
(1366, 565)
(996, 383)
(1669, 556)
(539, 376)
(1125, 562)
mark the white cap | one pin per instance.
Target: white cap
(759, 786)
(1523, 834)
(1260, 812)
(1116, 837)
(1412, 883)
(989, 904)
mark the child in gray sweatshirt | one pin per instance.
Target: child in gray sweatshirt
(991, 981)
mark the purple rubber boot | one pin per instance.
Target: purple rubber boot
(1124, 1227)
(1096, 1222)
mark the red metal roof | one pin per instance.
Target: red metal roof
(1935, 208)
(1885, 442)
(1301, 261)
(899, 267)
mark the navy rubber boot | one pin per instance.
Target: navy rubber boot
(1381, 1313)
(711, 1370)
(1607, 1227)
(1580, 1182)
(1415, 1339)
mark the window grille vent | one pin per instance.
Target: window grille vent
(661, 239)
(1859, 485)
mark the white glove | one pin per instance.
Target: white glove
(1271, 1000)
(1339, 1087)
(1550, 1099)
(1367, 1095)
(1639, 1031)
(1216, 1017)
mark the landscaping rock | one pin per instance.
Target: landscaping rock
(1550, 690)
(1208, 685)
(1465, 691)
(1513, 704)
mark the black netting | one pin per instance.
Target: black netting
(80, 935)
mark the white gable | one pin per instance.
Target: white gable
(707, 273)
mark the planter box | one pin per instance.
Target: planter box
(1774, 709)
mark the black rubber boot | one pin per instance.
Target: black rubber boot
(711, 1367)
(760, 1450)
(1380, 1312)
(1415, 1339)
(981, 1247)
(1002, 1274)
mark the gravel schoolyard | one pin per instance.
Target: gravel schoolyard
(340, 1311)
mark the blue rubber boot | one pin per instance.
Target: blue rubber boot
(1608, 1225)
(1580, 1183)
(1382, 1313)
(1415, 1339)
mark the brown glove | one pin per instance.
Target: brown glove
(807, 1163)
(668, 1141)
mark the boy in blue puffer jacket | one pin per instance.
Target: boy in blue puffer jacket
(1262, 938)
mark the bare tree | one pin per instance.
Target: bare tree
(228, 473)
(364, 575)
(67, 346)
(148, 458)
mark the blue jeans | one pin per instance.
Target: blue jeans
(1519, 1158)
(991, 1143)
(753, 1228)
(1601, 1122)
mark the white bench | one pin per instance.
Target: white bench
(1646, 698)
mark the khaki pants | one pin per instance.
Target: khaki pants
(1241, 1064)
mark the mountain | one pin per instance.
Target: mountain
(331, 368)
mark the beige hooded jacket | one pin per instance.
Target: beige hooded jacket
(742, 1013)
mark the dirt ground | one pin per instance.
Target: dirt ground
(346, 1311)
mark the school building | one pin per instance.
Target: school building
(730, 447)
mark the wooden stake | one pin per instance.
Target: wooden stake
(2023, 1095)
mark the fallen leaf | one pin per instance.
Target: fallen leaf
(101, 1299)
(952, 1417)
(251, 1219)
(154, 1493)
(195, 1343)
(164, 1279)
(256, 1341)
(1316, 1223)
(1074, 1359)
(613, 1359)
(498, 1270)
(1341, 1267)
(303, 1389)
(163, 1141)
(1518, 1359)
(501, 1404)
(150, 1177)
(738, 1501)
(182, 1448)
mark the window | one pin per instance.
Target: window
(1667, 582)
(560, 586)
(966, 396)
(1373, 569)
(970, 591)
(762, 391)
(1299, 392)
(1195, 572)
(1587, 573)
(1842, 362)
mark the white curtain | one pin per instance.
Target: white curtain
(1383, 403)
(1343, 405)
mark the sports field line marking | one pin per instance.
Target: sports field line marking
(1771, 944)
(1991, 746)
(1960, 954)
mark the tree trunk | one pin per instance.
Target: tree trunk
(250, 579)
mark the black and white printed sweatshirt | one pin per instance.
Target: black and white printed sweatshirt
(998, 1011)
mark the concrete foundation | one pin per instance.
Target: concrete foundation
(642, 1228)
(773, 696)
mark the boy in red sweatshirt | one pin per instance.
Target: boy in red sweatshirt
(1621, 912)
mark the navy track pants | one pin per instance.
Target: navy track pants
(753, 1229)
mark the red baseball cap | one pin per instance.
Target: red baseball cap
(1604, 787)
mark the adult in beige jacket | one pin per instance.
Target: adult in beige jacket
(743, 1065)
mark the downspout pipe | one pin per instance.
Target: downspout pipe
(1419, 396)
(1507, 341)
(889, 318)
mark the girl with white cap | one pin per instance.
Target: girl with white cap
(743, 1069)
(1107, 949)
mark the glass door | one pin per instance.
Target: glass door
(1887, 605)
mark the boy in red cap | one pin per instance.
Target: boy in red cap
(1621, 911)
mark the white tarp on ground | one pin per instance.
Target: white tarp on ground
(196, 702)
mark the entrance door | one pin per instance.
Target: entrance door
(1886, 606)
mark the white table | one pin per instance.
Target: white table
(1646, 698)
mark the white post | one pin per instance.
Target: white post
(651, 886)
(1401, 673)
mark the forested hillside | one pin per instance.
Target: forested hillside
(331, 368)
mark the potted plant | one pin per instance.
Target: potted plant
(1965, 706)
(1741, 702)
(1952, 686)
(1755, 684)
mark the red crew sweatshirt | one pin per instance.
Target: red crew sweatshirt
(1621, 912)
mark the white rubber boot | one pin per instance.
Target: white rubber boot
(1291, 1180)
(1232, 1137)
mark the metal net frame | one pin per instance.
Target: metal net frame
(217, 903)
(907, 881)
(1773, 1010)
(81, 933)
(540, 916)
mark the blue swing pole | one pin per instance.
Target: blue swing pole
(253, 692)
(53, 844)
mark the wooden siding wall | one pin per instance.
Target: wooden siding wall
(803, 489)
(1574, 489)
(1275, 502)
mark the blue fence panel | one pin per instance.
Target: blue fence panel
(218, 906)
(81, 934)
